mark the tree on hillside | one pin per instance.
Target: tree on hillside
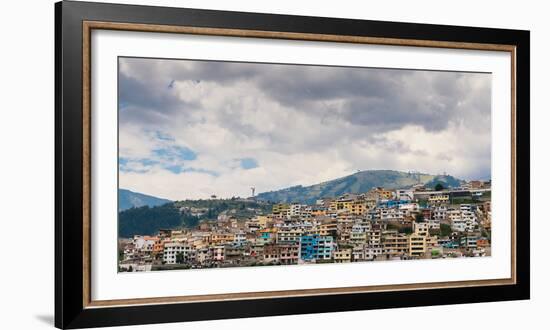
(439, 186)
(445, 229)
(179, 258)
(405, 230)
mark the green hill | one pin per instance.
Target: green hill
(359, 182)
(147, 220)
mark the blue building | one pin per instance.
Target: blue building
(313, 247)
(451, 245)
(392, 203)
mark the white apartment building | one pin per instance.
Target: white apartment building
(405, 194)
(172, 249)
(462, 220)
(439, 212)
(409, 208)
(363, 225)
(300, 210)
(392, 214)
(358, 253)
(453, 214)
(144, 243)
(434, 224)
(470, 219)
(458, 224)
(372, 252)
(239, 238)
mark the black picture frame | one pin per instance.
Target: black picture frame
(70, 309)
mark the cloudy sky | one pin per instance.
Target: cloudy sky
(190, 129)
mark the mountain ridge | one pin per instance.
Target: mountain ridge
(359, 182)
(128, 199)
(146, 214)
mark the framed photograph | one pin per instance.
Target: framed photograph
(214, 164)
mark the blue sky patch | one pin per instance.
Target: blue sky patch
(176, 169)
(175, 153)
(163, 136)
(125, 164)
(249, 163)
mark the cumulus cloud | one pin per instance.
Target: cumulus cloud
(190, 129)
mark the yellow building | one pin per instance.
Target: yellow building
(198, 244)
(281, 209)
(385, 194)
(342, 256)
(221, 238)
(362, 206)
(262, 220)
(438, 199)
(341, 204)
(318, 213)
(417, 245)
(358, 208)
(395, 244)
(328, 229)
(379, 193)
(288, 236)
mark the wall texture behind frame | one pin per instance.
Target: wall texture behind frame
(26, 172)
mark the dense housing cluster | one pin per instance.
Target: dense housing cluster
(381, 224)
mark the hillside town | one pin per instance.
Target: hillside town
(379, 225)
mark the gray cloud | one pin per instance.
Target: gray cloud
(290, 117)
(146, 100)
(381, 99)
